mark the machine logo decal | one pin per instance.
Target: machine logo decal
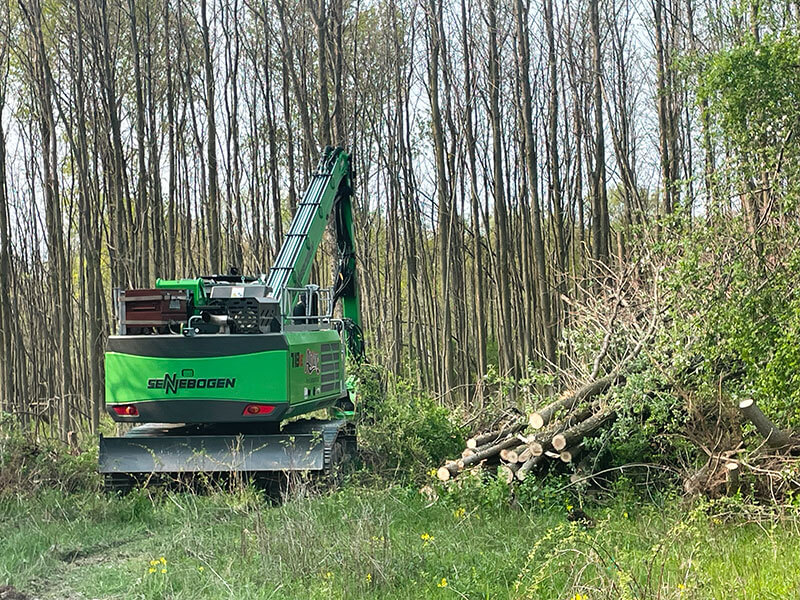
(171, 383)
(297, 359)
(312, 361)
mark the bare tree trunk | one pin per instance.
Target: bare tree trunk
(142, 230)
(442, 196)
(6, 369)
(169, 268)
(61, 277)
(477, 250)
(663, 108)
(319, 14)
(540, 259)
(600, 219)
(213, 215)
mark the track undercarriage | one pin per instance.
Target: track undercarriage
(182, 453)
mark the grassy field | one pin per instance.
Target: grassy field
(390, 543)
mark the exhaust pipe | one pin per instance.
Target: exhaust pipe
(224, 322)
(218, 320)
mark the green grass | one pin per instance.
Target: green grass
(390, 543)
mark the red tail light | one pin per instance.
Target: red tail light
(258, 409)
(126, 410)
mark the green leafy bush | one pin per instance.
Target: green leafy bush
(401, 429)
(29, 463)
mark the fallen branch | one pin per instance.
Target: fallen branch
(529, 464)
(453, 468)
(574, 435)
(493, 436)
(542, 417)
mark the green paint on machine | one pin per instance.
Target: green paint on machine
(293, 377)
(131, 378)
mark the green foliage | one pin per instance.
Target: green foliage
(751, 95)
(735, 317)
(401, 430)
(474, 489)
(29, 463)
(650, 415)
(753, 89)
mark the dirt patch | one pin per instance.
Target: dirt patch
(90, 553)
(9, 592)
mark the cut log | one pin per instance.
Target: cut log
(493, 436)
(447, 471)
(538, 448)
(574, 435)
(775, 437)
(542, 417)
(487, 452)
(467, 452)
(542, 441)
(511, 455)
(525, 468)
(570, 454)
(551, 454)
(524, 455)
(506, 472)
(732, 478)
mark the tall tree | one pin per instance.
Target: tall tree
(214, 233)
(540, 259)
(600, 219)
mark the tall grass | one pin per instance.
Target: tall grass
(390, 543)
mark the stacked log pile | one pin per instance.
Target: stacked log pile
(767, 466)
(555, 432)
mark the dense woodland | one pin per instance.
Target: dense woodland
(518, 164)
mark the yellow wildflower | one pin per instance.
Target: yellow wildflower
(625, 515)
(368, 577)
(442, 583)
(151, 570)
(681, 587)
(328, 575)
(426, 537)
(153, 562)
(163, 560)
(201, 569)
(163, 570)
(459, 512)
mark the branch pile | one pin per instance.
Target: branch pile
(554, 432)
(771, 471)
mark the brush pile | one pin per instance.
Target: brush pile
(767, 467)
(554, 432)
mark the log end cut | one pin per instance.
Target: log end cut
(443, 473)
(559, 442)
(536, 421)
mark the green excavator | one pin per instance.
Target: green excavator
(215, 371)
